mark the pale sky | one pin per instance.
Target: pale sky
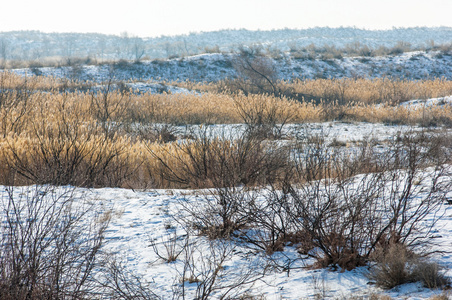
(149, 18)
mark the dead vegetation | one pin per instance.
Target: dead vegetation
(118, 138)
(343, 206)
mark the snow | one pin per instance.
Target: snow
(140, 217)
(419, 103)
(146, 220)
(346, 132)
(215, 66)
(33, 45)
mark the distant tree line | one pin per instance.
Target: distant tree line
(39, 46)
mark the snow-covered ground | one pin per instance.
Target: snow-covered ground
(146, 222)
(419, 103)
(213, 67)
(144, 216)
(344, 132)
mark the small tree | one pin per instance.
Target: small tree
(256, 73)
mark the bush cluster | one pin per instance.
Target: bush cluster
(338, 206)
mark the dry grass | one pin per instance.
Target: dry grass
(351, 90)
(398, 265)
(208, 161)
(443, 296)
(48, 133)
(374, 91)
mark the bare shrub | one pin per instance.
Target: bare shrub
(15, 103)
(348, 216)
(271, 227)
(228, 169)
(340, 205)
(117, 282)
(219, 214)
(107, 107)
(256, 72)
(205, 265)
(264, 116)
(168, 249)
(49, 244)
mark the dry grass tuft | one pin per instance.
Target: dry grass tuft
(398, 265)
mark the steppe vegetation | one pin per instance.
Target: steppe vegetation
(342, 206)
(50, 134)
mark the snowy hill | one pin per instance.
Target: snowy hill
(35, 45)
(213, 67)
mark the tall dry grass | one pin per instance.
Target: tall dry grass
(350, 90)
(371, 91)
(51, 135)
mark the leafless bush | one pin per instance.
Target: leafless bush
(14, 104)
(117, 282)
(225, 167)
(205, 265)
(347, 209)
(107, 107)
(348, 217)
(314, 158)
(219, 213)
(263, 117)
(49, 244)
(168, 249)
(337, 205)
(272, 219)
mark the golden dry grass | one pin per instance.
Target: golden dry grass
(365, 91)
(43, 128)
(380, 90)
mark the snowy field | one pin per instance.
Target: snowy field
(148, 217)
(146, 223)
(144, 216)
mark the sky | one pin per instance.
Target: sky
(152, 18)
